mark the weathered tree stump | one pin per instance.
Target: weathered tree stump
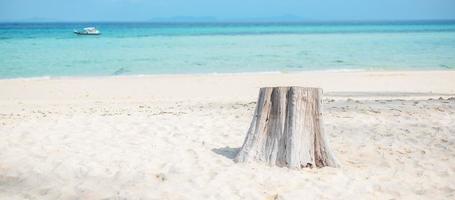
(287, 130)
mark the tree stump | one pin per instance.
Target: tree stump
(287, 130)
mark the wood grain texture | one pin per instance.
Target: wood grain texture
(287, 130)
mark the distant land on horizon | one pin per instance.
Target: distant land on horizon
(212, 19)
(281, 18)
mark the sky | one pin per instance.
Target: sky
(226, 10)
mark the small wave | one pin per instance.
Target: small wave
(445, 66)
(120, 71)
(344, 70)
(27, 78)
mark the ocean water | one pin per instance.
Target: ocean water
(51, 49)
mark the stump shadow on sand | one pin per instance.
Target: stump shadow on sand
(227, 152)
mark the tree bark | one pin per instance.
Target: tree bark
(287, 130)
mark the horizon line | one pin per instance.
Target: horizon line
(229, 21)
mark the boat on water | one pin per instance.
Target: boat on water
(88, 31)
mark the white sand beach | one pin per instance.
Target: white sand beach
(175, 137)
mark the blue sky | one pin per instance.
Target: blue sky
(225, 10)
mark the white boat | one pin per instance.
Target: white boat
(88, 31)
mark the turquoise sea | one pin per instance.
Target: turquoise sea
(51, 49)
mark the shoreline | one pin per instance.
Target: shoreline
(227, 87)
(48, 77)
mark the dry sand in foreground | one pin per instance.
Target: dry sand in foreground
(174, 137)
